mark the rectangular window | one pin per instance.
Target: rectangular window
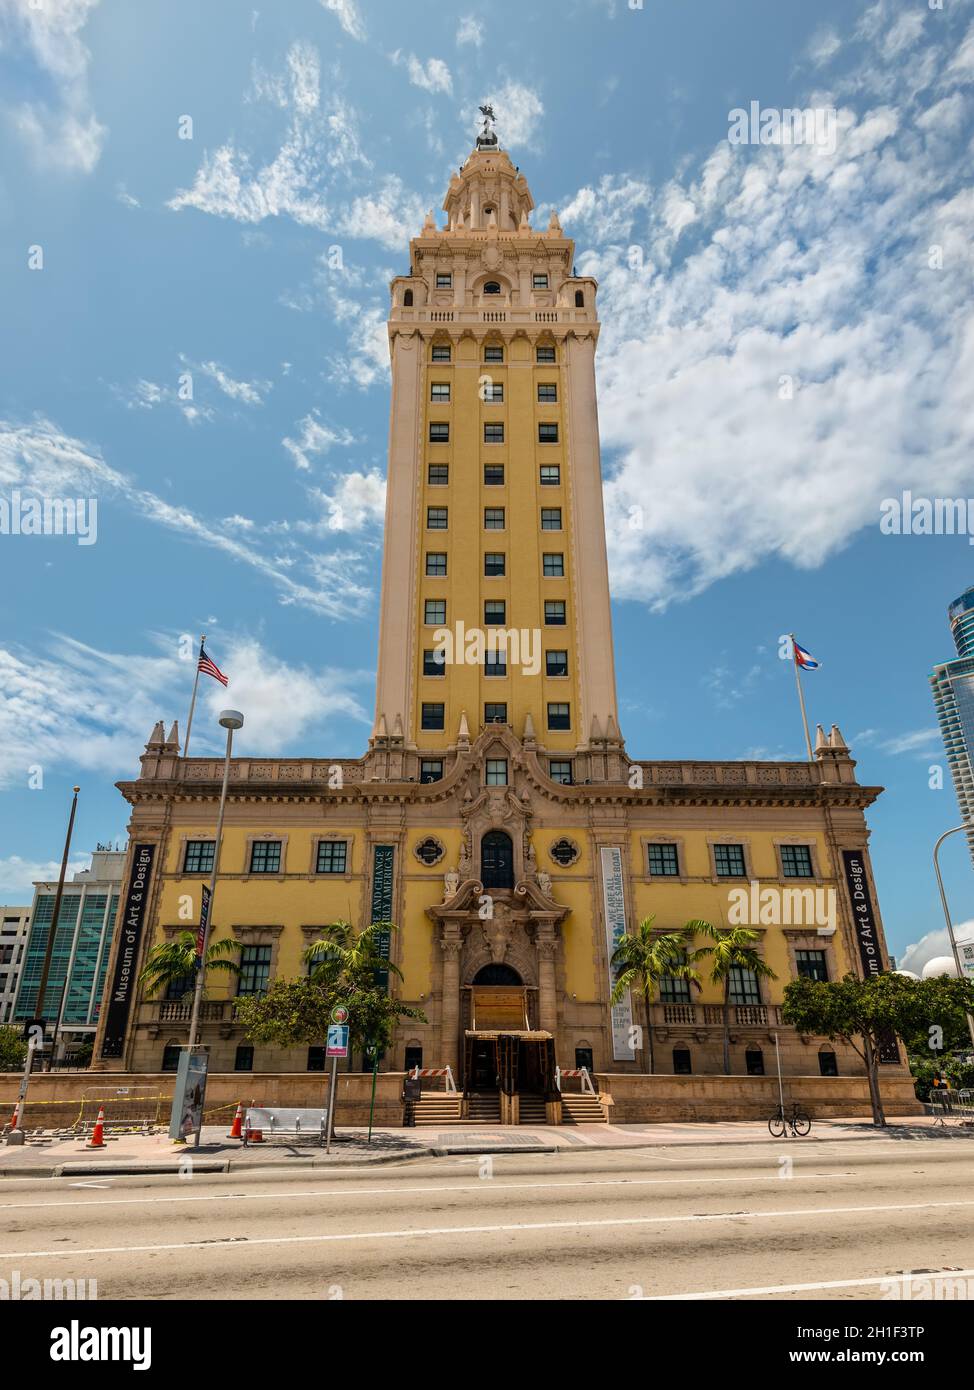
(317, 1058)
(440, 391)
(495, 664)
(494, 434)
(444, 281)
(493, 475)
(265, 857)
(743, 986)
(433, 715)
(556, 663)
(496, 772)
(811, 965)
(554, 612)
(548, 432)
(494, 564)
(438, 474)
(495, 612)
(796, 861)
(547, 393)
(434, 612)
(673, 990)
(493, 518)
(255, 969)
(431, 770)
(493, 354)
(729, 861)
(559, 716)
(243, 1058)
(199, 857)
(439, 432)
(434, 663)
(436, 518)
(332, 857)
(170, 1057)
(550, 474)
(663, 861)
(493, 392)
(553, 565)
(495, 712)
(436, 563)
(551, 518)
(545, 354)
(561, 771)
(539, 282)
(441, 352)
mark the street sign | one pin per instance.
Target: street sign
(339, 1014)
(337, 1044)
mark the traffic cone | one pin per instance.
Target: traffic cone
(236, 1129)
(97, 1140)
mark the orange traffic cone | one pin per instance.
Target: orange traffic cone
(236, 1129)
(13, 1118)
(97, 1140)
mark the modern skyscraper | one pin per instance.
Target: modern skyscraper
(953, 698)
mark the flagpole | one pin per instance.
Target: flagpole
(192, 703)
(801, 697)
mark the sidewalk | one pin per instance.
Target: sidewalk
(156, 1153)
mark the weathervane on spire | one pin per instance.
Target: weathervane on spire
(487, 139)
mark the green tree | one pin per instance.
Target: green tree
(174, 962)
(643, 959)
(731, 948)
(13, 1050)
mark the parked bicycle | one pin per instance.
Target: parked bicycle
(797, 1122)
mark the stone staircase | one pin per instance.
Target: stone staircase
(582, 1109)
(437, 1108)
(484, 1108)
(531, 1110)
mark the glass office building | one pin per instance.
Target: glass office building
(953, 695)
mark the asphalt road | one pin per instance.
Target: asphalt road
(775, 1220)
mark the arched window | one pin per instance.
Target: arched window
(828, 1063)
(170, 1056)
(682, 1064)
(407, 299)
(492, 287)
(497, 973)
(579, 299)
(754, 1061)
(497, 860)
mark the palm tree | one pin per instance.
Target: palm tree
(174, 962)
(643, 959)
(733, 948)
(347, 960)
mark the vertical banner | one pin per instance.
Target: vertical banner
(130, 936)
(204, 918)
(854, 862)
(382, 866)
(614, 898)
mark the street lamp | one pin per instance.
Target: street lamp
(943, 898)
(230, 719)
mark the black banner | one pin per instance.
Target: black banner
(863, 917)
(382, 882)
(130, 935)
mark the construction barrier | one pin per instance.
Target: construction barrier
(581, 1073)
(449, 1085)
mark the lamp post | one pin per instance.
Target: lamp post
(230, 719)
(943, 898)
(52, 932)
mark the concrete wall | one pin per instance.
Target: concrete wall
(645, 1099)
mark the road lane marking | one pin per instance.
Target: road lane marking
(807, 1288)
(436, 1231)
(492, 1183)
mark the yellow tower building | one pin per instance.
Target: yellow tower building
(496, 816)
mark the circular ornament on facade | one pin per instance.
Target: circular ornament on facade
(564, 852)
(429, 851)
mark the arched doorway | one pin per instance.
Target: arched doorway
(497, 860)
(497, 974)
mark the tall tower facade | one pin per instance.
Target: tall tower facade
(953, 695)
(495, 595)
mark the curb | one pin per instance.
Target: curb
(206, 1165)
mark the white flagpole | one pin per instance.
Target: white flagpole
(192, 703)
(801, 697)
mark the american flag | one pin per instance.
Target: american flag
(210, 668)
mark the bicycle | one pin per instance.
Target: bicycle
(798, 1122)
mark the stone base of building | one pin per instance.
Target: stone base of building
(57, 1100)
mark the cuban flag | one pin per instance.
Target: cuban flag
(804, 659)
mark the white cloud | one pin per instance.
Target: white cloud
(824, 46)
(348, 16)
(519, 110)
(919, 741)
(933, 944)
(314, 440)
(123, 196)
(249, 392)
(62, 131)
(431, 76)
(18, 876)
(470, 30)
(358, 501)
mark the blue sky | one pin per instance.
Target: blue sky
(196, 354)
